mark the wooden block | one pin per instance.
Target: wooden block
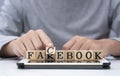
(59, 56)
(40, 55)
(88, 55)
(79, 56)
(50, 54)
(30, 55)
(98, 54)
(69, 55)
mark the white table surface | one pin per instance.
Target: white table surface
(8, 67)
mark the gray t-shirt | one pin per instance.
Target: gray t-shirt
(60, 19)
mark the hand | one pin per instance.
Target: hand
(32, 40)
(109, 46)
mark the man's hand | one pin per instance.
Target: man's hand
(32, 40)
(109, 46)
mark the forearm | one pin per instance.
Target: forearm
(10, 19)
(112, 47)
(6, 52)
(115, 50)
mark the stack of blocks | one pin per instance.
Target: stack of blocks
(53, 55)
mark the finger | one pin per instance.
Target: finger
(79, 42)
(94, 46)
(77, 45)
(45, 39)
(17, 53)
(35, 40)
(21, 47)
(25, 39)
(86, 45)
(15, 49)
(69, 44)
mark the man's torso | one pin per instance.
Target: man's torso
(63, 19)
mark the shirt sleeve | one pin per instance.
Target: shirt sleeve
(11, 25)
(115, 20)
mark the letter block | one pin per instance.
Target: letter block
(69, 55)
(30, 55)
(88, 55)
(98, 54)
(50, 54)
(40, 55)
(79, 56)
(59, 56)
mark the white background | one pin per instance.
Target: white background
(8, 67)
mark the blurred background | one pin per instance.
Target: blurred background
(1, 3)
